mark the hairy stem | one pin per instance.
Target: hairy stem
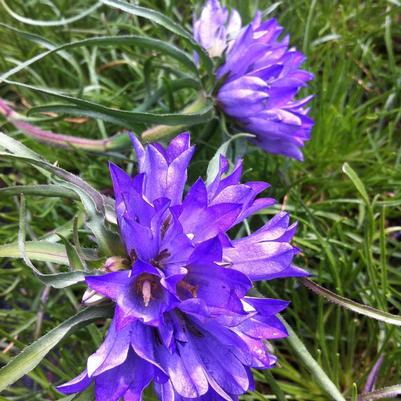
(351, 305)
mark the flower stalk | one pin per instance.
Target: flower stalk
(349, 304)
(317, 372)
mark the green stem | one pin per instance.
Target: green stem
(274, 386)
(346, 303)
(314, 368)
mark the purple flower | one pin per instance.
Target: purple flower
(183, 319)
(216, 27)
(260, 78)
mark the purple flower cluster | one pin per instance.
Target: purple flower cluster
(183, 319)
(260, 78)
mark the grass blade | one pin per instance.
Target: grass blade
(62, 21)
(32, 355)
(144, 41)
(165, 22)
(347, 169)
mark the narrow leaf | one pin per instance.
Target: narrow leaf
(147, 42)
(108, 241)
(75, 261)
(56, 280)
(17, 148)
(214, 164)
(60, 22)
(21, 152)
(33, 354)
(39, 190)
(121, 117)
(164, 21)
(75, 238)
(43, 251)
(40, 251)
(41, 41)
(94, 203)
(347, 169)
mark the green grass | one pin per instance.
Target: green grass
(350, 245)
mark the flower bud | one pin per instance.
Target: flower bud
(91, 298)
(115, 263)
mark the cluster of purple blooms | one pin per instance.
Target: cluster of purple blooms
(260, 77)
(183, 319)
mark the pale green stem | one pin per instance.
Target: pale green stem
(346, 303)
(314, 368)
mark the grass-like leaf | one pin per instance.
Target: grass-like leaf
(33, 354)
(50, 190)
(146, 42)
(165, 22)
(123, 118)
(42, 251)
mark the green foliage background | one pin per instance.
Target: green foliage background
(354, 49)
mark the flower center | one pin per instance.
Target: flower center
(148, 287)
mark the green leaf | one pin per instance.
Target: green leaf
(21, 152)
(214, 164)
(347, 169)
(40, 251)
(151, 43)
(77, 182)
(87, 395)
(164, 21)
(352, 305)
(75, 238)
(61, 22)
(17, 148)
(33, 354)
(93, 201)
(75, 261)
(43, 251)
(56, 280)
(108, 241)
(39, 40)
(275, 387)
(121, 117)
(40, 190)
(176, 85)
